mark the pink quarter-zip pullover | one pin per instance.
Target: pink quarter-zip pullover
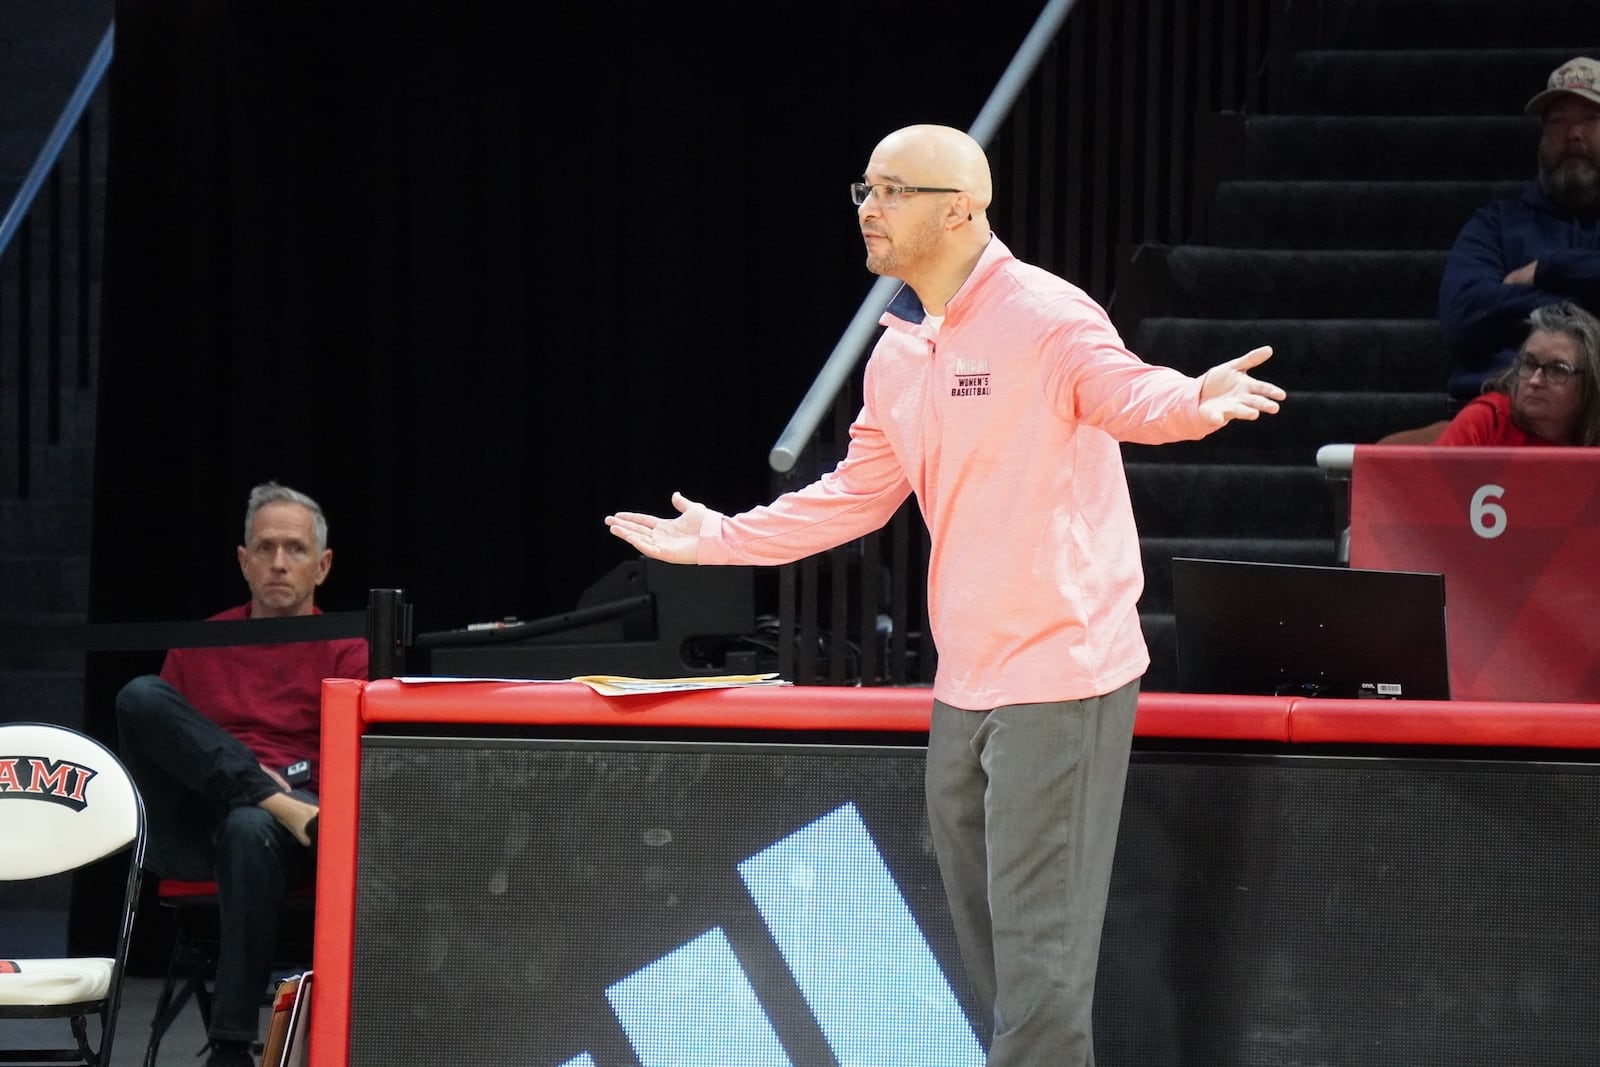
(1005, 422)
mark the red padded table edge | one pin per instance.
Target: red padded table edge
(890, 708)
(1213, 716)
(571, 703)
(1444, 722)
(348, 706)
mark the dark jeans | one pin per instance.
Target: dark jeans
(200, 787)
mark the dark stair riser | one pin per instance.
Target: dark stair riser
(1158, 554)
(1378, 148)
(1229, 500)
(1431, 81)
(1348, 215)
(1488, 24)
(1306, 423)
(1250, 283)
(1308, 355)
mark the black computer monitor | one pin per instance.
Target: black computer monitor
(1298, 630)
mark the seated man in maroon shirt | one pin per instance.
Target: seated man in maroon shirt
(224, 745)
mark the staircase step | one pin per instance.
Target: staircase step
(1347, 214)
(1393, 355)
(1528, 24)
(1422, 81)
(1324, 234)
(1159, 552)
(1306, 423)
(1375, 148)
(1230, 500)
(1254, 283)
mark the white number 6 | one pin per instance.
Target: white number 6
(1488, 517)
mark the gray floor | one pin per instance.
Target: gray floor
(180, 1047)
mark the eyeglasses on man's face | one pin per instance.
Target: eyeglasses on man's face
(1555, 372)
(888, 195)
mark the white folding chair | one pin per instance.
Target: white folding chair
(66, 801)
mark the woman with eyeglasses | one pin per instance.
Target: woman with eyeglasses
(1550, 395)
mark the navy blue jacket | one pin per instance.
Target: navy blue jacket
(1485, 320)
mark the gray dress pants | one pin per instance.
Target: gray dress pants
(1024, 802)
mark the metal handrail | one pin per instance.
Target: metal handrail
(814, 405)
(77, 104)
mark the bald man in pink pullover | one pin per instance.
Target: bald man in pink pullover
(998, 393)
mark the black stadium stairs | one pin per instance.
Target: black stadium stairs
(1322, 229)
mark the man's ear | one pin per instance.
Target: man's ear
(960, 204)
(324, 564)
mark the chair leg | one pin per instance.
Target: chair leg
(202, 997)
(80, 1034)
(190, 964)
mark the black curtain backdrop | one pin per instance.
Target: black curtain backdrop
(475, 275)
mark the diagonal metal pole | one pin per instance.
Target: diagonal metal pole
(841, 362)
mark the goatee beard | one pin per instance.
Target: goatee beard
(1574, 184)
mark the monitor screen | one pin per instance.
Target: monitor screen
(1297, 630)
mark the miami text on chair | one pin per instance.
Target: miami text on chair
(66, 801)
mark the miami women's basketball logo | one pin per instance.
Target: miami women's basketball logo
(971, 378)
(41, 778)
